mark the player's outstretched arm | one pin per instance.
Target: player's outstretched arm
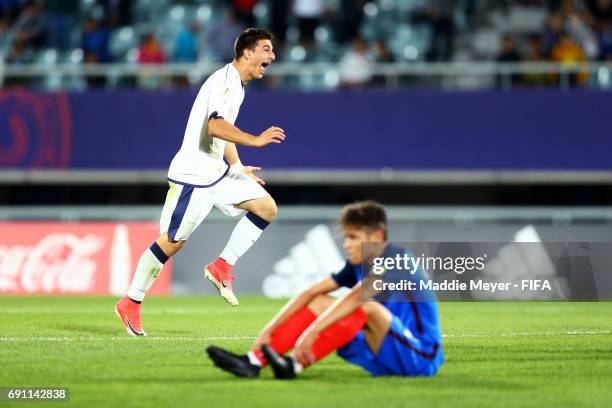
(325, 286)
(222, 129)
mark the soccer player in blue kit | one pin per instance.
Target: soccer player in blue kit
(388, 333)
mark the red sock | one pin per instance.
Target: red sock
(286, 334)
(339, 334)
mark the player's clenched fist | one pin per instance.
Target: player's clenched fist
(271, 135)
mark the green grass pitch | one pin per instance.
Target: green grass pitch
(497, 354)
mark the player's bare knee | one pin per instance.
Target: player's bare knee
(271, 209)
(320, 303)
(379, 317)
(266, 208)
(169, 246)
(376, 310)
(369, 307)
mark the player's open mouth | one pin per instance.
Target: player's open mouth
(264, 66)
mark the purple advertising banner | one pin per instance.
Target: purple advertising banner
(421, 130)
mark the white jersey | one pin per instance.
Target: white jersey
(200, 158)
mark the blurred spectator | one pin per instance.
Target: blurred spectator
(19, 54)
(356, 66)
(384, 56)
(349, 20)
(279, 10)
(508, 54)
(604, 44)
(568, 53)
(117, 12)
(30, 26)
(95, 49)
(535, 54)
(309, 14)
(580, 32)
(61, 19)
(508, 50)
(382, 53)
(222, 35)
(186, 43)
(4, 33)
(186, 49)
(244, 11)
(150, 51)
(439, 15)
(95, 41)
(552, 32)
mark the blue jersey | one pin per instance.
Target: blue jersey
(415, 326)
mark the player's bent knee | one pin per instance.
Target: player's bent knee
(376, 311)
(272, 208)
(266, 208)
(169, 246)
(320, 303)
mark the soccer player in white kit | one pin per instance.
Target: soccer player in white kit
(200, 179)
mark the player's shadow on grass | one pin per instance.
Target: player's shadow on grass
(86, 329)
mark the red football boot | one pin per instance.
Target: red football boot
(219, 273)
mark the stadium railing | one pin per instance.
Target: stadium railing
(461, 215)
(488, 74)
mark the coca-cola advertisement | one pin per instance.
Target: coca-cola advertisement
(74, 258)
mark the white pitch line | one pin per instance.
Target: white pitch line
(148, 311)
(125, 338)
(239, 338)
(527, 334)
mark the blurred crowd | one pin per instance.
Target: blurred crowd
(357, 34)
(574, 32)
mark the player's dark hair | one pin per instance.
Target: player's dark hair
(365, 214)
(248, 39)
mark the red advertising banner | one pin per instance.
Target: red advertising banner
(75, 258)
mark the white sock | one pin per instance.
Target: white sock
(149, 266)
(297, 367)
(253, 359)
(246, 232)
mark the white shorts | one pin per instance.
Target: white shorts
(187, 205)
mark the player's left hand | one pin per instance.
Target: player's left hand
(303, 349)
(250, 171)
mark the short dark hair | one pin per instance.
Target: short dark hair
(365, 214)
(248, 39)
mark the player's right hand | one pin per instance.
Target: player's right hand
(271, 135)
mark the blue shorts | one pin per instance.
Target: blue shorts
(400, 354)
